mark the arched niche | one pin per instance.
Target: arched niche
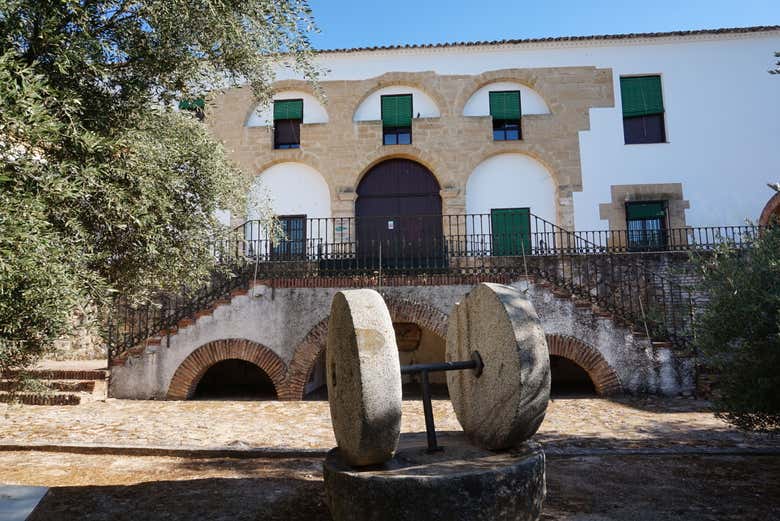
(291, 189)
(511, 181)
(370, 108)
(313, 110)
(299, 197)
(530, 100)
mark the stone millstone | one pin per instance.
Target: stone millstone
(364, 377)
(461, 483)
(505, 405)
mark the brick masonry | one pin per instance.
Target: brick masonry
(604, 378)
(451, 146)
(772, 209)
(306, 353)
(189, 373)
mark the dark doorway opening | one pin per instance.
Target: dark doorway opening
(569, 379)
(235, 380)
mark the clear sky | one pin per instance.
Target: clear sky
(359, 23)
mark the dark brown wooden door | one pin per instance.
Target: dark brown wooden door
(399, 208)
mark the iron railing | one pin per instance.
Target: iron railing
(591, 267)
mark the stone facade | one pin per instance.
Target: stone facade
(451, 146)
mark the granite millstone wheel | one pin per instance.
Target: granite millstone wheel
(505, 405)
(364, 378)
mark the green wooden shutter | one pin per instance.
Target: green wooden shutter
(288, 109)
(397, 110)
(645, 211)
(192, 104)
(641, 96)
(511, 231)
(505, 104)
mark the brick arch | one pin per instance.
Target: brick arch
(307, 351)
(772, 209)
(604, 378)
(192, 369)
(474, 83)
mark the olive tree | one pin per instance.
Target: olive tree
(105, 187)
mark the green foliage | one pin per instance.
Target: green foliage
(738, 334)
(104, 186)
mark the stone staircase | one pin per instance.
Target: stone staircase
(59, 386)
(586, 308)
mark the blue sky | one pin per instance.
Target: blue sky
(357, 23)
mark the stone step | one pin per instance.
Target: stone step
(82, 386)
(58, 374)
(41, 399)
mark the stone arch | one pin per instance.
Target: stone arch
(474, 83)
(771, 209)
(283, 85)
(307, 351)
(603, 376)
(409, 152)
(192, 369)
(419, 81)
(548, 164)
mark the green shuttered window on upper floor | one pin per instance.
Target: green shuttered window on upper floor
(641, 96)
(397, 110)
(643, 110)
(505, 104)
(288, 109)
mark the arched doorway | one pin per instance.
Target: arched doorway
(236, 380)
(398, 212)
(569, 379)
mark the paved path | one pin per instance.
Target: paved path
(571, 426)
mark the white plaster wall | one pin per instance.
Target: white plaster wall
(280, 319)
(722, 113)
(530, 100)
(313, 110)
(292, 189)
(511, 181)
(371, 107)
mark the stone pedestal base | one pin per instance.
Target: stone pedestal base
(462, 482)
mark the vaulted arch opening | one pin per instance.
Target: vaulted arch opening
(399, 216)
(235, 379)
(569, 379)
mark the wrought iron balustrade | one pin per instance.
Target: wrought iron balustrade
(596, 267)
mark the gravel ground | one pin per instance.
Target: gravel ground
(571, 424)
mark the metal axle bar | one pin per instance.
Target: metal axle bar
(430, 428)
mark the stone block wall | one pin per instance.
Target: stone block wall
(451, 146)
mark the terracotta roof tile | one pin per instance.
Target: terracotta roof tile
(627, 36)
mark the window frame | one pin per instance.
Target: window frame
(503, 123)
(645, 118)
(660, 241)
(283, 249)
(394, 131)
(295, 124)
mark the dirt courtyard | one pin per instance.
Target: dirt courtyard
(621, 459)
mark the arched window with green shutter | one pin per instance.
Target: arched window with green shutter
(505, 109)
(288, 116)
(396, 119)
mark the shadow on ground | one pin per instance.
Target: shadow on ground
(213, 499)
